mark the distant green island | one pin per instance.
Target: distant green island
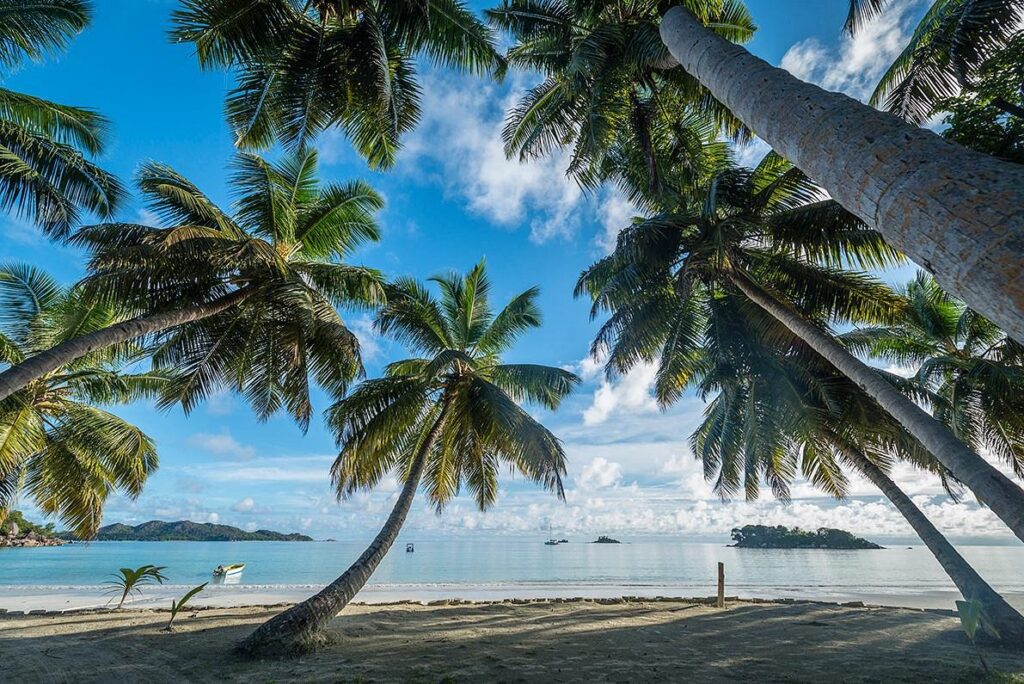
(186, 530)
(779, 537)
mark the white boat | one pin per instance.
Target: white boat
(228, 570)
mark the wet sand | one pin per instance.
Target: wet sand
(564, 641)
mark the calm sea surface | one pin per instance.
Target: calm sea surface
(460, 568)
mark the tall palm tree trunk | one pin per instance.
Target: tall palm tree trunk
(299, 628)
(991, 487)
(956, 212)
(35, 367)
(1008, 621)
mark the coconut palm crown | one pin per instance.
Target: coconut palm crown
(967, 370)
(303, 66)
(57, 447)
(948, 48)
(448, 418)
(277, 260)
(607, 77)
(460, 383)
(44, 173)
(769, 225)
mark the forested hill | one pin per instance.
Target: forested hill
(779, 537)
(186, 530)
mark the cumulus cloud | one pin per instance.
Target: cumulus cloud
(629, 393)
(246, 505)
(599, 474)
(616, 212)
(856, 65)
(223, 445)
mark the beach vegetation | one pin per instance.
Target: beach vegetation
(780, 537)
(788, 411)
(975, 622)
(244, 301)
(769, 236)
(303, 67)
(177, 605)
(57, 445)
(610, 89)
(45, 172)
(448, 418)
(130, 581)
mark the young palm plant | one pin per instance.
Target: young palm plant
(448, 418)
(56, 446)
(303, 66)
(44, 173)
(245, 300)
(779, 409)
(767, 234)
(131, 580)
(608, 79)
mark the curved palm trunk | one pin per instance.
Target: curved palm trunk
(298, 629)
(35, 367)
(1008, 621)
(956, 212)
(991, 487)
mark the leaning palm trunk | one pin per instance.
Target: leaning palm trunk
(957, 213)
(35, 367)
(991, 487)
(300, 627)
(1008, 621)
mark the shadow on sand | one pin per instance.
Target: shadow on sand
(536, 642)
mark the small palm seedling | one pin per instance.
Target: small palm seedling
(972, 618)
(176, 606)
(129, 581)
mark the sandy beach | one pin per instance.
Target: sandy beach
(610, 640)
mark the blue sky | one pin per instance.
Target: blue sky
(451, 200)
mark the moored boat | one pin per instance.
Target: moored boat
(226, 570)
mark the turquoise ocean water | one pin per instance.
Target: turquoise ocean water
(500, 568)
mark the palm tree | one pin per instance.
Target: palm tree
(945, 54)
(953, 211)
(768, 235)
(303, 66)
(788, 411)
(244, 301)
(56, 445)
(447, 418)
(970, 372)
(44, 173)
(606, 82)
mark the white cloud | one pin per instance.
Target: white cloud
(599, 474)
(629, 393)
(220, 403)
(246, 505)
(616, 212)
(370, 343)
(460, 132)
(222, 444)
(857, 64)
(750, 154)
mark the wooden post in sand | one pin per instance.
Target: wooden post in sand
(721, 586)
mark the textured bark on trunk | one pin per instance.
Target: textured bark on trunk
(35, 367)
(956, 212)
(299, 629)
(991, 487)
(1008, 621)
